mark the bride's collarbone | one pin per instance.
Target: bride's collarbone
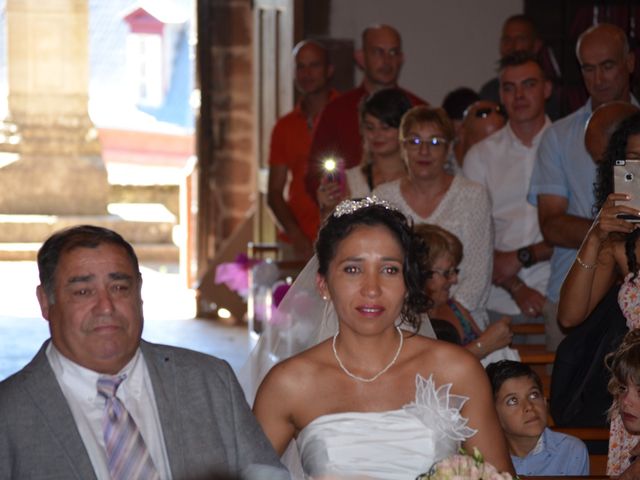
(358, 400)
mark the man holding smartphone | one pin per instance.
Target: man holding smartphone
(563, 176)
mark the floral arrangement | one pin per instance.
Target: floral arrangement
(464, 467)
(235, 275)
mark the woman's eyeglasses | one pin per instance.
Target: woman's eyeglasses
(432, 142)
(485, 112)
(447, 274)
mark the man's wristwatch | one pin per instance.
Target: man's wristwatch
(525, 257)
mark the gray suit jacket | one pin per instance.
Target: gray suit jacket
(208, 428)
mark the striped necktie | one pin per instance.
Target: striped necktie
(127, 455)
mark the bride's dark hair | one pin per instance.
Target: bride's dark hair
(335, 229)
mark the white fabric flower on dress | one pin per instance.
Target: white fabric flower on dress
(439, 409)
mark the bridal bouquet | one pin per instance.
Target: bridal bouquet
(464, 467)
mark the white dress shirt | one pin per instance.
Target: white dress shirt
(79, 386)
(503, 164)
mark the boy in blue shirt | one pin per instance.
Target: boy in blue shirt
(522, 411)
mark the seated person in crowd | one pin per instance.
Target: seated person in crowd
(428, 194)
(564, 174)
(382, 161)
(444, 256)
(535, 449)
(624, 365)
(502, 163)
(363, 402)
(602, 123)
(608, 254)
(98, 402)
(480, 120)
(455, 103)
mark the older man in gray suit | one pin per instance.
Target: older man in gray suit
(97, 402)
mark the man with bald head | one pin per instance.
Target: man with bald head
(480, 120)
(562, 181)
(337, 133)
(601, 125)
(297, 215)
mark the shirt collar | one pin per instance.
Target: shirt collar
(540, 445)
(83, 381)
(536, 140)
(333, 93)
(589, 108)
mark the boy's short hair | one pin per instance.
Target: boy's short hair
(500, 372)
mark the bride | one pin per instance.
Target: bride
(374, 399)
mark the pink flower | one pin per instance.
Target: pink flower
(235, 276)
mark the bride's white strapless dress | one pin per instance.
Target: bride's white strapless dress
(398, 444)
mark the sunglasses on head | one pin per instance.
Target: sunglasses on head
(485, 112)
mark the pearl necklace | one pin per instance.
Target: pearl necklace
(375, 377)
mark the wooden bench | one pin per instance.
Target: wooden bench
(597, 462)
(528, 329)
(584, 433)
(535, 354)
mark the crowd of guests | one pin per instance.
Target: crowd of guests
(469, 218)
(503, 189)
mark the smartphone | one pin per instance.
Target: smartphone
(626, 179)
(333, 171)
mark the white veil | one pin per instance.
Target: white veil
(303, 319)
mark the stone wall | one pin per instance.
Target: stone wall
(227, 147)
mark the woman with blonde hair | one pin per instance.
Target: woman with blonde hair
(428, 194)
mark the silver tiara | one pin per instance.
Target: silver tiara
(349, 206)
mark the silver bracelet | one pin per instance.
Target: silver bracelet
(586, 266)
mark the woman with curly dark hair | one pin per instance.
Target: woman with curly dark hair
(376, 399)
(607, 256)
(608, 252)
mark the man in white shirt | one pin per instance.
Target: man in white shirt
(503, 163)
(187, 407)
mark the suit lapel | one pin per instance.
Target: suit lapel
(163, 378)
(41, 384)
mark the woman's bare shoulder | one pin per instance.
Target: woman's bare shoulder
(444, 359)
(291, 374)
